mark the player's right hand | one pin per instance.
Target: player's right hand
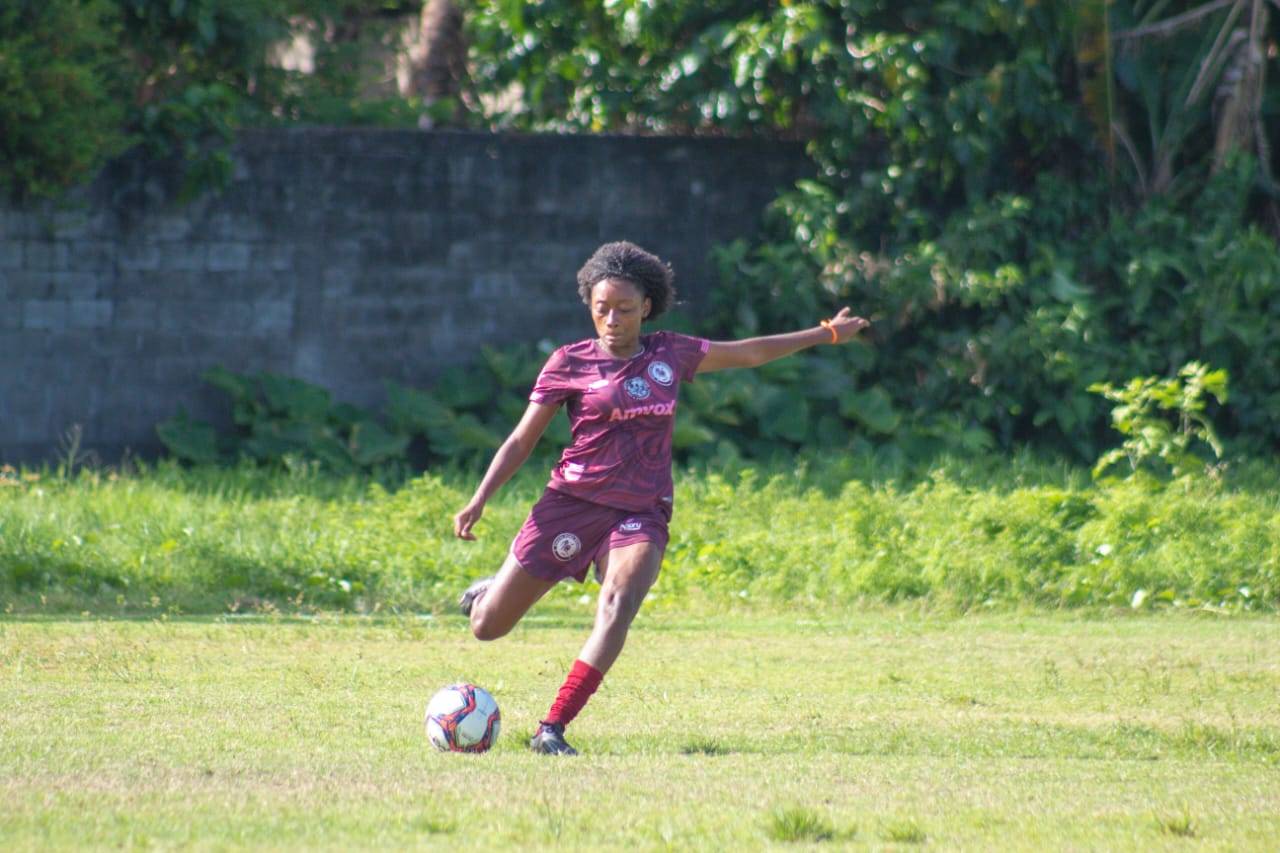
(466, 518)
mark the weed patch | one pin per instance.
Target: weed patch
(903, 831)
(704, 746)
(1180, 825)
(799, 824)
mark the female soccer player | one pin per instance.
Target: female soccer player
(610, 495)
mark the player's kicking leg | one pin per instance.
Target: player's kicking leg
(496, 604)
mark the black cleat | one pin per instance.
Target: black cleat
(473, 592)
(549, 740)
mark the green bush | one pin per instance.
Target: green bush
(280, 420)
(82, 79)
(1145, 408)
(985, 190)
(991, 332)
(207, 73)
(968, 535)
(285, 420)
(63, 91)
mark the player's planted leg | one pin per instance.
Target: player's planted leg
(549, 740)
(628, 573)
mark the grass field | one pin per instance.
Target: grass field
(890, 727)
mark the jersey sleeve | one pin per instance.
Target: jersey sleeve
(687, 352)
(554, 383)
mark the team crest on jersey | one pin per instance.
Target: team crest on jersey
(566, 545)
(637, 387)
(630, 526)
(660, 372)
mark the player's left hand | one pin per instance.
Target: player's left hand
(846, 325)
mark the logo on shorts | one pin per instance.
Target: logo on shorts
(660, 372)
(630, 526)
(566, 545)
(637, 387)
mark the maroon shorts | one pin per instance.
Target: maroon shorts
(564, 535)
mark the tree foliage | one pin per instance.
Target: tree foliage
(62, 93)
(82, 79)
(1027, 198)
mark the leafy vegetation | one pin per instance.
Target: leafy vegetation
(285, 422)
(288, 422)
(958, 535)
(1028, 199)
(1149, 436)
(61, 93)
(287, 419)
(179, 77)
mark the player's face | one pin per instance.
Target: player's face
(617, 308)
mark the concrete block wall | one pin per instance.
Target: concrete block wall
(343, 257)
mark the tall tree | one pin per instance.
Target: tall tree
(438, 57)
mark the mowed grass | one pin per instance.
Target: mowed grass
(886, 728)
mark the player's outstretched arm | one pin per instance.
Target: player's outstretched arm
(753, 352)
(510, 456)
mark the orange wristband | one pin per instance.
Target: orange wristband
(826, 324)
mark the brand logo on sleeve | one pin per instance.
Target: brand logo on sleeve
(661, 372)
(637, 387)
(631, 525)
(597, 385)
(565, 546)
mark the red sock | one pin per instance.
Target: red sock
(582, 681)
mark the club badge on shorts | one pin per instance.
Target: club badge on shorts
(661, 372)
(565, 546)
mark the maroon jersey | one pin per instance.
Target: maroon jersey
(621, 414)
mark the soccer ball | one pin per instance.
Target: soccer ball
(463, 718)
